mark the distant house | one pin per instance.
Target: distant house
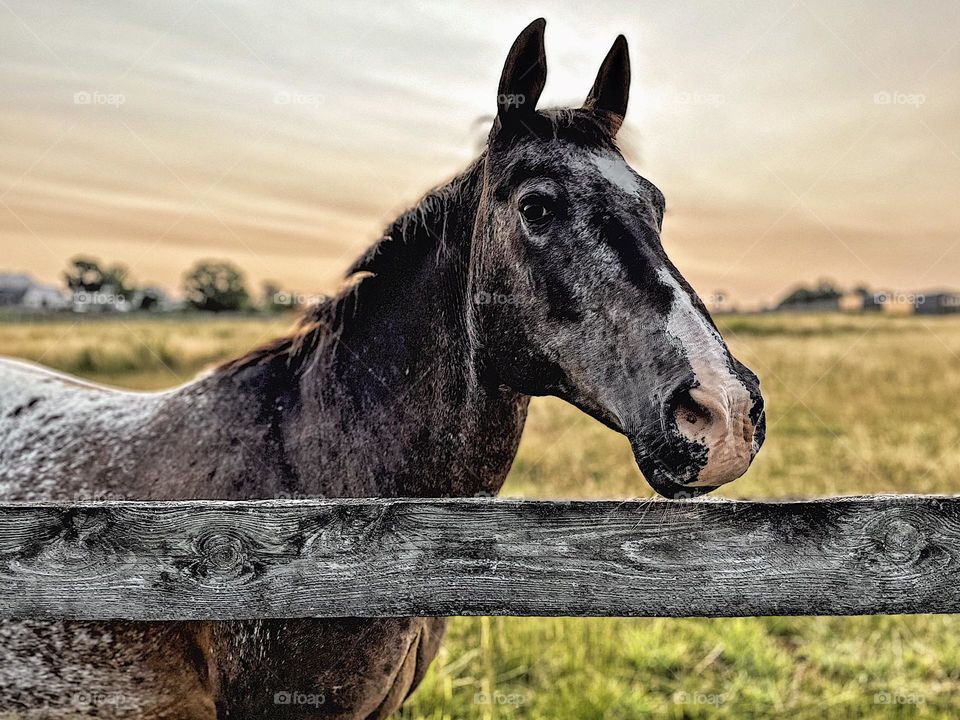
(20, 290)
(938, 302)
(13, 286)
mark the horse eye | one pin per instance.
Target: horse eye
(535, 212)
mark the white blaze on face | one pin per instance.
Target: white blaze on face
(615, 170)
(722, 422)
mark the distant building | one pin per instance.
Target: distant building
(13, 286)
(20, 290)
(938, 302)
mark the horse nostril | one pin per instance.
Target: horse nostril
(687, 411)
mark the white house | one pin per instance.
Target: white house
(20, 290)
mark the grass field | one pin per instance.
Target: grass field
(855, 404)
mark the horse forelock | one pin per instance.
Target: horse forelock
(577, 126)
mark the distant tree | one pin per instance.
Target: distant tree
(86, 275)
(116, 276)
(83, 274)
(824, 290)
(214, 286)
(90, 283)
(828, 290)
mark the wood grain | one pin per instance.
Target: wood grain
(219, 560)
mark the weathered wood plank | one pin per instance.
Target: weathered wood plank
(195, 560)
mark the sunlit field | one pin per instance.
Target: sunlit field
(856, 404)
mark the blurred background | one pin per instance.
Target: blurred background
(177, 178)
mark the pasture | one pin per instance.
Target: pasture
(856, 404)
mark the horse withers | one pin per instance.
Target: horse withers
(537, 271)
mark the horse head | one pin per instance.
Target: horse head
(574, 295)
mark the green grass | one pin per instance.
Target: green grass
(856, 404)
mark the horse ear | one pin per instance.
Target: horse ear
(611, 89)
(524, 73)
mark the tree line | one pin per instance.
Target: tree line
(208, 286)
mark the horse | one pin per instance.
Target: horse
(536, 271)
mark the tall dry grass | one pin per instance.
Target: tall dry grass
(855, 404)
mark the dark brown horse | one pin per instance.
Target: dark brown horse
(537, 271)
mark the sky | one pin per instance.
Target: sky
(793, 140)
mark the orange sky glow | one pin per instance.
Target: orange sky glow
(793, 140)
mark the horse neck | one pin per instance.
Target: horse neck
(400, 404)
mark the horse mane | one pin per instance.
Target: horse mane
(402, 247)
(428, 225)
(320, 323)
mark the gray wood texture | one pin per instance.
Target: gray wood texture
(220, 560)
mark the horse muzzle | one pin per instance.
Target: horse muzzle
(706, 437)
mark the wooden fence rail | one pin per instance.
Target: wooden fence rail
(219, 560)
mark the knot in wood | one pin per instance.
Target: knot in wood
(223, 556)
(900, 540)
